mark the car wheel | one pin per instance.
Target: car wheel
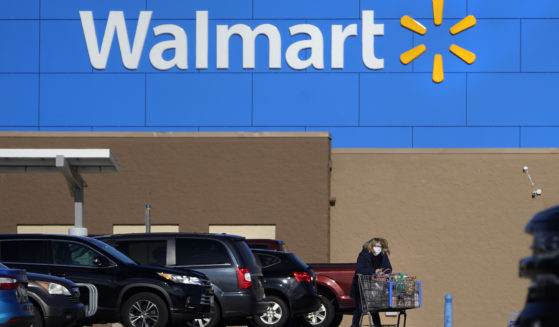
(276, 314)
(322, 317)
(212, 321)
(38, 320)
(144, 310)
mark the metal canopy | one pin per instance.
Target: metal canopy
(70, 162)
(44, 160)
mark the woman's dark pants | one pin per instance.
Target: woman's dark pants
(359, 311)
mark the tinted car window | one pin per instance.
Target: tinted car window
(297, 261)
(112, 251)
(200, 252)
(67, 253)
(258, 246)
(145, 252)
(24, 251)
(249, 259)
(268, 260)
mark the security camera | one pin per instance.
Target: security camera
(525, 169)
(536, 192)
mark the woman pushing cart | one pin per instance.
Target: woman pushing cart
(375, 289)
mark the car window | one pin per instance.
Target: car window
(112, 251)
(297, 261)
(24, 251)
(258, 246)
(152, 252)
(200, 252)
(74, 254)
(267, 260)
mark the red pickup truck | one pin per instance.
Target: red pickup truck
(333, 283)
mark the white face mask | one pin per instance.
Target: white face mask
(377, 250)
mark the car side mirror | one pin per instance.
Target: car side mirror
(101, 262)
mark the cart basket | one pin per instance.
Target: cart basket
(383, 295)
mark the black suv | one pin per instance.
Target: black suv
(132, 294)
(225, 259)
(290, 286)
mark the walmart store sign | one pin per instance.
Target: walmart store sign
(132, 52)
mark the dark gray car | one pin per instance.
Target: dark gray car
(56, 301)
(225, 259)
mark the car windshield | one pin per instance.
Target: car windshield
(114, 252)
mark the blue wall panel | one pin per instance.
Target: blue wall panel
(65, 129)
(413, 8)
(513, 99)
(465, 137)
(19, 129)
(540, 137)
(20, 46)
(540, 45)
(310, 9)
(252, 129)
(412, 100)
(368, 137)
(198, 99)
(319, 99)
(514, 8)
(217, 9)
(69, 9)
(143, 129)
(21, 9)
(506, 98)
(63, 45)
(19, 99)
(86, 99)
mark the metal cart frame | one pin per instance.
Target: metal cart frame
(382, 295)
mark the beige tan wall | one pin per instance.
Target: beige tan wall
(190, 179)
(454, 218)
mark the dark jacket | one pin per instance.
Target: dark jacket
(365, 266)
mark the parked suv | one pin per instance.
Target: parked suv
(290, 286)
(334, 284)
(225, 259)
(127, 292)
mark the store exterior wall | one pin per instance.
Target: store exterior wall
(454, 218)
(190, 180)
(60, 71)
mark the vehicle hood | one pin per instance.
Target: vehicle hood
(33, 277)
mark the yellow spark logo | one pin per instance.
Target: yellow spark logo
(414, 26)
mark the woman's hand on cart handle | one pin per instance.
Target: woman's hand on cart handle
(386, 271)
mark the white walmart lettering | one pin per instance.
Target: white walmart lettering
(98, 56)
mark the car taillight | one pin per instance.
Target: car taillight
(243, 278)
(302, 276)
(8, 283)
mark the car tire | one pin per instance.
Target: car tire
(322, 317)
(38, 320)
(145, 308)
(213, 321)
(276, 315)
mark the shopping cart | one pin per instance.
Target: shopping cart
(397, 293)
